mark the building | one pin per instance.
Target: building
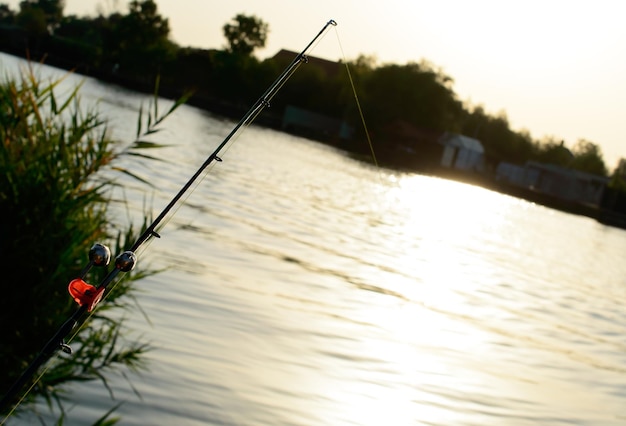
(554, 181)
(432, 148)
(317, 126)
(462, 152)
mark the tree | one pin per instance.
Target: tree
(245, 33)
(33, 21)
(588, 158)
(140, 39)
(620, 169)
(6, 14)
(618, 177)
(554, 151)
(415, 93)
(143, 17)
(364, 63)
(52, 11)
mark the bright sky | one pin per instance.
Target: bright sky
(555, 67)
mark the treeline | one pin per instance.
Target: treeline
(133, 48)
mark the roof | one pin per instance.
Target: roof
(330, 68)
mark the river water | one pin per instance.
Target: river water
(307, 288)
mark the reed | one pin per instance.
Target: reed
(58, 164)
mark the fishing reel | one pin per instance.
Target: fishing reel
(100, 255)
(89, 295)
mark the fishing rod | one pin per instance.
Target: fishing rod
(87, 295)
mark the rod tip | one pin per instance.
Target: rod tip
(332, 22)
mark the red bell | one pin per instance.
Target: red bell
(84, 293)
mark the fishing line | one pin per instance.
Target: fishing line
(358, 103)
(87, 295)
(23, 397)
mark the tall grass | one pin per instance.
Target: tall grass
(57, 166)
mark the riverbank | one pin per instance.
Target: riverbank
(273, 119)
(602, 215)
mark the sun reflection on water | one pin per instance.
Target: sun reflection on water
(441, 223)
(425, 336)
(448, 210)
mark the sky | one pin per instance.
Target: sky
(556, 68)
